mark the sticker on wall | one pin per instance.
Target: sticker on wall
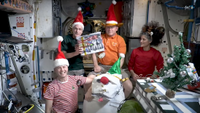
(21, 35)
(20, 21)
(164, 49)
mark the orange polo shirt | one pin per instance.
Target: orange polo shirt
(113, 46)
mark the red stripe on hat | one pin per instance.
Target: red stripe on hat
(60, 54)
(79, 18)
(111, 14)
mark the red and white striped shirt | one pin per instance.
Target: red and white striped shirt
(64, 95)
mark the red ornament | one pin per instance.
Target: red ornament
(87, 8)
(193, 87)
(104, 80)
(84, 23)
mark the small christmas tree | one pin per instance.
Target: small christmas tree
(175, 75)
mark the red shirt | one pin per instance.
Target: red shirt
(64, 95)
(144, 62)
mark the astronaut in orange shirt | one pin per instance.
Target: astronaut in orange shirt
(115, 47)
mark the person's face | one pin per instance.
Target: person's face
(61, 71)
(111, 30)
(144, 42)
(77, 30)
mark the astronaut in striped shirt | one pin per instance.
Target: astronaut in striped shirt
(62, 93)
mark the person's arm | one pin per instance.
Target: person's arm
(94, 59)
(97, 68)
(48, 106)
(159, 63)
(131, 61)
(73, 54)
(135, 76)
(89, 79)
(130, 66)
(70, 55)
(121, 62)
(121, 50)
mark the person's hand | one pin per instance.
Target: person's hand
(78, 50)
(153, 77)
(143, 78)
(97, 68)
(135, 76)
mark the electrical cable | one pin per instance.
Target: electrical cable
(8, 89)
(167, 27)
(177, 7)
(27, 108)
(2, 77)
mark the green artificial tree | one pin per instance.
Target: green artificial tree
(175, 74)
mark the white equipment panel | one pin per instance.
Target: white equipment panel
(48, 19)
(23, 25)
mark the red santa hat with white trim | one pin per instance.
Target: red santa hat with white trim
(79, 19)
(111, 18)
(60, 59)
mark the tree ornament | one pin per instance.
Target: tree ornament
(170, 60)
(188, 51)
(193, 82)
(172, 55)
(183, 73)
(171, 74)
(168, 73)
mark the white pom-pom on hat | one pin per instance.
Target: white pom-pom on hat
(79, 9)
(114, 2)
(59, 38)
(121, 55)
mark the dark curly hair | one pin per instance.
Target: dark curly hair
(158, 32)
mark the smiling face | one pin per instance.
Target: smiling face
(77, 30)
(111, 30)
(144, 41)
(61, 71)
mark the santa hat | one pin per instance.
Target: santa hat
(79, 19)
(60, 59)
(111, 18)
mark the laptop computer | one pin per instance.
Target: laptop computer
(5, 31)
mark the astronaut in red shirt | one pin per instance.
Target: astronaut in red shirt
(144, 59)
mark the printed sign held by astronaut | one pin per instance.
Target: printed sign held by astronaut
(91, 43)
